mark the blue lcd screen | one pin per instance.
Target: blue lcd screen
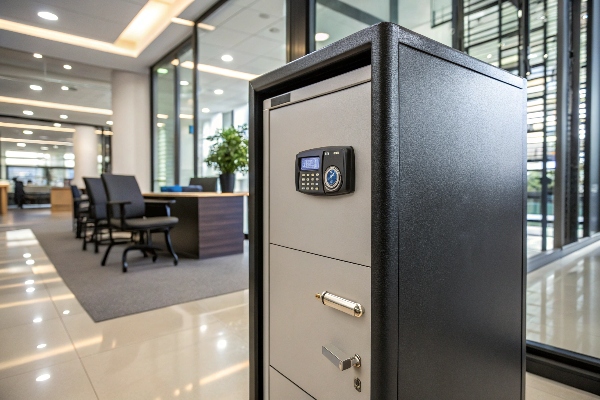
(309, 163)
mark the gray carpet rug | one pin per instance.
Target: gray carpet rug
(106, 292)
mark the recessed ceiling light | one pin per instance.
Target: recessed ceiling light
(27, 112)
(57, 125)
(26, 255)
(55, 147)
(35, 87)
(64, 87)
(41, 346)
(489, 56)
(43, 377)
(218, 91)
(160, 124)
(30, 289)
(226, 58)
(28, 132)
(47, 15)
(37, 320)
(44, 148)
(21, 145)
(109, 123)
(29, 282)
(162, 71)
(322, 36)
(184, 83)
(63, 116)
(205, 110)
(28, 262)
(67, 66)
(162, 116)
(66, 312)
(38, 55)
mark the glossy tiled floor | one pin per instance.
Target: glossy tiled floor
(563, 303)
(51, 349)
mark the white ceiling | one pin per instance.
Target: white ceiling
(101, 19)
(91, 73)
(89, 86)
(95, 19)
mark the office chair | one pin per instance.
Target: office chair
(97, 216)
(208, 184)
(80, 210)
(128, 211)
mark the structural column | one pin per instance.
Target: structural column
(131, 138)
(85, 149)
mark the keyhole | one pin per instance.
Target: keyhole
(357, 384)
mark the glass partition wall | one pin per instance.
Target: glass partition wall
(230, 46)
(40, 154)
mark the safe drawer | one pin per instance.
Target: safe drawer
(300, 324)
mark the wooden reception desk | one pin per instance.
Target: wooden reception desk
(210, 224)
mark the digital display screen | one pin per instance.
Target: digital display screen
(309, 163)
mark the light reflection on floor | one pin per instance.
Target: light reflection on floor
(563, 303)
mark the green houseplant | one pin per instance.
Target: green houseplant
(229, 154)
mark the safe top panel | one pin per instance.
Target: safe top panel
(338, 120)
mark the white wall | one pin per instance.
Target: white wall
(131, 126)
(85, 149)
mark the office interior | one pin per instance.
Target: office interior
(138, 88)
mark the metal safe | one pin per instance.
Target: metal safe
(387, 195)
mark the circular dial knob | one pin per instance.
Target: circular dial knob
(333, 178)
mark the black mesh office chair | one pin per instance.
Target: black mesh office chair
(127, 211)
(208, 184)
(80, 210)
(97, 217)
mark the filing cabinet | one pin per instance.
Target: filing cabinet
(387, 224)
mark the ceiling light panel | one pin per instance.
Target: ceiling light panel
(38, 55)
(34, 141)
(55, 128)
(56, 106)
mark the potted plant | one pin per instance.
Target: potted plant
(229, 154)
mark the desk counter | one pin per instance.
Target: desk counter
(210, 224)
(4, 197)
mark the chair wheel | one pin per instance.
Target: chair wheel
(124, 267)
(154, 258)
(175, 262)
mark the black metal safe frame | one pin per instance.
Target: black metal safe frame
(379, 46)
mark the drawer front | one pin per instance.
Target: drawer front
(333, 226)
(300, 324)
(282, 389)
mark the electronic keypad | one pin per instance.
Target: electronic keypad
(326, 171)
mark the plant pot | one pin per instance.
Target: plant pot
(227, 182)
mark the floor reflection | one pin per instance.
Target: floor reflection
(563, 303)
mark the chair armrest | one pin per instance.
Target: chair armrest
(158, 208)
(116, 203)
(121, 204)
